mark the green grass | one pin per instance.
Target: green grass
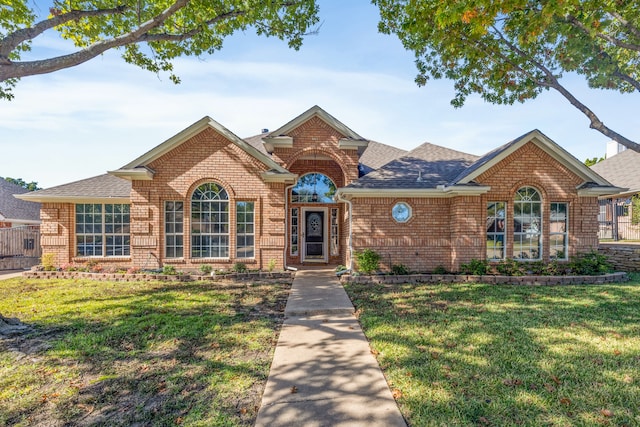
(480, 355)
(112, 353)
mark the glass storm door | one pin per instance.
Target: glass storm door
(314, 235)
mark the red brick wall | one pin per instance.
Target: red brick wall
(207, 157)
(451, 231)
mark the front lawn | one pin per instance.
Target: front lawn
(121, 354)
(490, 355)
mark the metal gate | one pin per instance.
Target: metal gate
(617, 220)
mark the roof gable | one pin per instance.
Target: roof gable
(137, 169)
(489, 160)
(316, 111)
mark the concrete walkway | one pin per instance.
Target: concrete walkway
(10, 274)
(323, 372)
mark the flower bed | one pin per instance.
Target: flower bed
(488, 279)
(148, 276)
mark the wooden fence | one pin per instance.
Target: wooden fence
(19, 247)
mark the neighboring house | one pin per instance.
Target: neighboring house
(315, 191)
(15, 212)
(620, 212)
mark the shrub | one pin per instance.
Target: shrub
(169, 270)
(133, 270)
(476, 267)
(440, 270)
(206, 269)
(271, 265)
(399, 269)
(368, 261)
(48, 261)
(510, 267)
(590, 264)
(340, 268)
(239, 267)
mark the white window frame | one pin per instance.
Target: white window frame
(174, 229)
(245, 229)
(99, 235)
(553, 248)
(210, 222)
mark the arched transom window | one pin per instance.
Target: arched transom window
(313, 188)
(210, 222)
(527, 224)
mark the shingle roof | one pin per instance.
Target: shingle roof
(622, 170)
(98, 187)
(426, 166)
(377, 155)
(12, 208)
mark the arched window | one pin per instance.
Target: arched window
(527, 224)
(210, 222)
(313, 188)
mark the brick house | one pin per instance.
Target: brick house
(314, 192)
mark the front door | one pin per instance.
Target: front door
(314, 244)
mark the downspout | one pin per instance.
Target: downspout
(286, 225)
(350, 245)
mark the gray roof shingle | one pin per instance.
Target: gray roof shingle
(426, 166)
(12, 208)
(621, 170)
(101, 186)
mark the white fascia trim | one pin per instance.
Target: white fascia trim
(137, 174)
(286, 178)
(22, 221)
(601, 191)
(352, 144)
(74, 199)
(281, 141)
(442, 191)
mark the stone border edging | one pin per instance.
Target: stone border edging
(147, 277)
(619, 277)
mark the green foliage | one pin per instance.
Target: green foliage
(476, 267)
(593, 161)
(368, 261)
(271, 265)
(48, 261)
(440, 270)
(206, 269)
(511, 51)
(169, 270)
(340, 268)
(399, 269)
(240, 267)
(150, 34)
(590, 264)
(510, 267)
(31, 186)
(635, 210)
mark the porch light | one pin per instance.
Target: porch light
(314, 196)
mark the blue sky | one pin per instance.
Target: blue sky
(96, 117)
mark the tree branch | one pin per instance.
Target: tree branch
(17, 70)
(574, 21)
(12, 40)
(633, 30)
(552, 82)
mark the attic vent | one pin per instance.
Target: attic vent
(419, 179)
(265, 130)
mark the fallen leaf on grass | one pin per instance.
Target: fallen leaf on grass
(565, 401)
(550, 388)
(484, 421)
(375, 352)
(397, 394)
(555, 380)
(243, 411)
(606, 413)
(617, 352)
